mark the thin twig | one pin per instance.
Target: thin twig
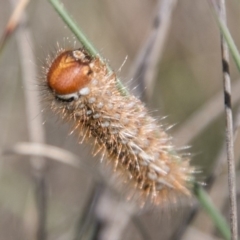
(237, 124)
(34, 120)
(145, 67)
(193, 122)
(55, 153)
(13, 22)
(229, 130)
(221, 12)
(227, 37)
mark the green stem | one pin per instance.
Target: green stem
(74, 28)
(83, 40)
(215, 215)
(230, 42)
(228, 38)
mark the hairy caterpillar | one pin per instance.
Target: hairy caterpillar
(80, 89)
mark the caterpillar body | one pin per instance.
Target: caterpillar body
(80, 89)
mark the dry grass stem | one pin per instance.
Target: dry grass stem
(229, 129)
(33, 110)
(221, 12)
(145, 68)
(13, 21)
(55, 153)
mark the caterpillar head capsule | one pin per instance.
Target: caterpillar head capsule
(69, 73)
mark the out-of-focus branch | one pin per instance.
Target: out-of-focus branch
(145, 68)
(34, 119)
(55, 153)
(13, 22)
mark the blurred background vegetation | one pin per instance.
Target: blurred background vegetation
(188, 78)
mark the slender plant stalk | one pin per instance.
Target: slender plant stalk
(230, 42)
(83, 39)
(229, 125)
(227, 37)
(35, 127)
(74, 28)
(227, 41)
(209, 207)
(198, 190)
(56, 154)
(144, 69)
(13, 22)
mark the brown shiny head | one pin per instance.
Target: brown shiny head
(69, 72)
